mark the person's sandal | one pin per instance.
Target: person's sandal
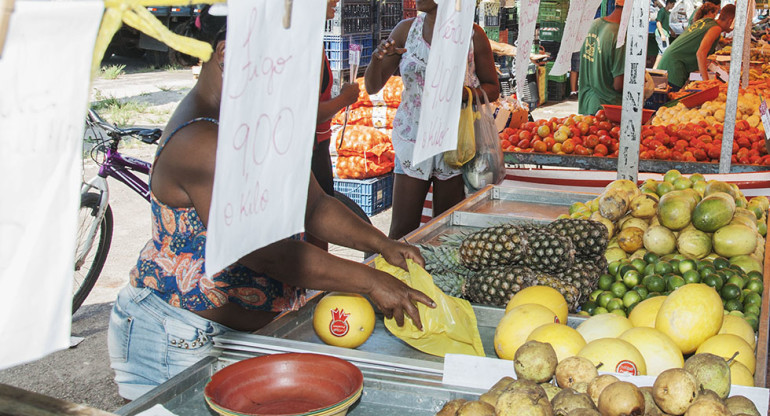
(573, 95)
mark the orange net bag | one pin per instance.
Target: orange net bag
(389, 95)
(380, 117)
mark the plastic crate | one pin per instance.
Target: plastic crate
(351, 17)
(509, 19)
(555, 78)
(506, 85)
(372, 195)
(488, 13)
(338, 53)
(551, 31)
(657, 99)
(513, 36)
(553, 11)
(557, 90)
(493, 33)
(390, 13)
(551, 48)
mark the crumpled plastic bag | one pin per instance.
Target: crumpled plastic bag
(450, 328)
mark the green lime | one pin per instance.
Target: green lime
(733, 305)
(752, 298)
(664, 188)
(672, 175)
(651, 257)
(754, 275)
(706, 271)
(697, 177)
(737, 269)
(642, 291)
(613, 267)
(687, 265)
(721, 263)
(620, 312)
(656, 284)
(605, 281)
(631, 278)
(604, 298)
(679, 257)
(594, 295)
(720, 282)
(600, 310)
(751, 309)
(638, 264)
(691, 276)
(755, 285)
(589, 307)
(663, 267)
(623, 270)
(682, 183)
(711, 280)
(618, 289)
(583, 313)
(616, 303)
(737, 281)
(674, 265)
(730, 291)
(649, 269)
(631, 298)
(673, 282)
(728, 273)
(753, 321)
(653, 294)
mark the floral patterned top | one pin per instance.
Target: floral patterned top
(172, 264)
(406, 122)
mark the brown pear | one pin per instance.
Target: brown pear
(597, 385)
(707, 407)
(584, 412)
(675, 390)
(535, 361)
(650, 408)
(568, 400)
(621, 399)
(476, 408)
(494, 392)
(573, 370)
(450, 408)
(711, 371)
(741, 404)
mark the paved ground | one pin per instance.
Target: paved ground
(82, 374)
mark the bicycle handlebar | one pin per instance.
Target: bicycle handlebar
(149, 136)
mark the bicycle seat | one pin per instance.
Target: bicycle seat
(150, 136)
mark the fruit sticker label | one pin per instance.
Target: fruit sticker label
(339, 326)
(627, 367)
(556, 320)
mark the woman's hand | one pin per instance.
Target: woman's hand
(387, 48)
(396, 253)
(393, 298)
(349, 93)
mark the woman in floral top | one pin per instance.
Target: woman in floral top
(407, 49)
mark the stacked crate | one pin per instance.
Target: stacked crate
(509, 24)
(557, 88)
(551, 18)
(489, 18)
(389, 13)
(353, 22)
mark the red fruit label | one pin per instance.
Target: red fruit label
(556, 320)
(339, 326)
(627, 367)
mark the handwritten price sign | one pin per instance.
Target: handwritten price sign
(527, 20)
(581, 15)
(266, 127)
(442, 94)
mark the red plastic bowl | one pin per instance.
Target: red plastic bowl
(283, 384)
(613, 113)
(700, 97)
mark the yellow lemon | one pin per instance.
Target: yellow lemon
(659, 352)
(736, 325)
(645, 312)
(605, 325)
(343, 319)
(517, 324)
(740, 375)
(690, 315)
(542, 295)
(615, 355)
(725, 345)
(566, 341)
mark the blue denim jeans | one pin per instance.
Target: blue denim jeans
(151, 341)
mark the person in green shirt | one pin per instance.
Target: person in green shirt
(694, 17)
(601, 64)
(663, 30)
(689, 52)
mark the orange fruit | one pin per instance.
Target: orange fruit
(343, 319)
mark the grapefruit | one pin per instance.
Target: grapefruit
(566, 341)
(643, 315)
(740, 375)
(659, 352)
(517, 324)
(734, 240)
(693, 243)
(659, 240)
(714, 186)
(615, 355)
(343, 319)
(674, 211)
(736, 325)
(725, 345)
(713, 212)
(541, 295)
(690, 315)
(606, 325)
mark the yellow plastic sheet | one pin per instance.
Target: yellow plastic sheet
(135, 14)
(466, 138)
(450, 328)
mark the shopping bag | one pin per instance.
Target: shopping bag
(466, 140)
(449, 328)
(488, 166)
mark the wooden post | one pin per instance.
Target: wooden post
(287, 13)
(633, 90)
(731, 107)
(6, 9)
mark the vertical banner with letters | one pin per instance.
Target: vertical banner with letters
(579, 18)
(527, 20)
(624, 19)
(42, 115)
(266, 129)
(444, 76)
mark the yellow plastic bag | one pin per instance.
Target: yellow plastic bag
(450, 328)
(466, 138)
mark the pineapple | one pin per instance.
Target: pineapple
(570, 292)
(549, 252)
(497, 285)
(493, 246)
(583, 275)
(589, 237)
(444, 265)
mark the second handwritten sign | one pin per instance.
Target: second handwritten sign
(267, 122)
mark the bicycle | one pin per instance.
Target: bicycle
(95, 218)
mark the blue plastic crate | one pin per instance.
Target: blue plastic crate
(372, 195)
(337, 50)
(657, 99)
(351, 17)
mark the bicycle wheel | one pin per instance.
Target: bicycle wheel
(88, 272)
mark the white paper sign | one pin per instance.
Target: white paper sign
(624, 19)
(765, 116)
(444, 76)
(527, 20)
(747, 44)
(44, 72)
(581, 15)
(267, 127)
